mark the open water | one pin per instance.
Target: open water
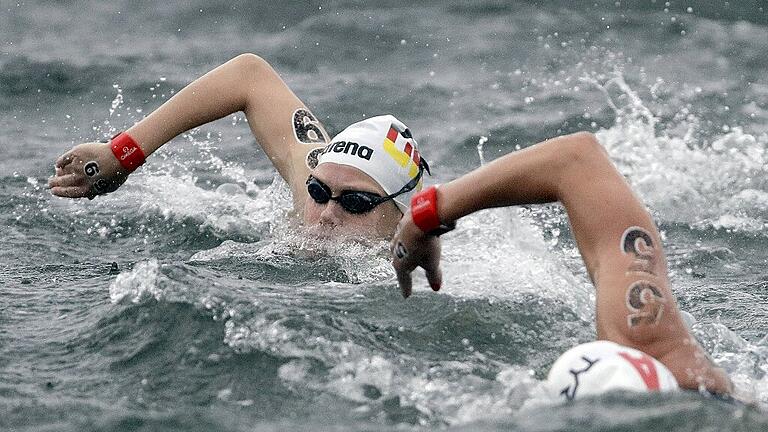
(186, 301)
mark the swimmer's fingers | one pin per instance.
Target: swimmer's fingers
(402, 265)
(405, 281)
(65, 180)
(402, 261)
(412, 248)
(87, 170)
(435, 279)
(69, 174)
(405, 264)
(72, 191)
(428, 257)
(71, 163)
(64, 160)
(78, 156)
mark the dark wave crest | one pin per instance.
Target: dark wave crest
(22, 76)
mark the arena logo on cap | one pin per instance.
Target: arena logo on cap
(349, 147)
(402, 157)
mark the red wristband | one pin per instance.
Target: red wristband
(424, 209)
(127, 151)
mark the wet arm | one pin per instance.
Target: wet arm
(616, 236)
(246, 83)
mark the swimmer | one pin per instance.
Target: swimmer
(357, 184)
(643, 342)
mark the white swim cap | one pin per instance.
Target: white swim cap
(381, 147)
(602, 366)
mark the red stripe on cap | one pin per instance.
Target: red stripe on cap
(645, 367)
(392, 134)
(408, 149)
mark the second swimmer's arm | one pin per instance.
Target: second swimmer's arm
(616, 236)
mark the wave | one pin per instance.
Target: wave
(22, 76)
(435, 360)
(345, 341)
(746, 10)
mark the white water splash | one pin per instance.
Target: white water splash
(480, 143)
(745, 362)
(722, 184)
(498, 254)
(360, 262)
(137, 285)
(117, 101)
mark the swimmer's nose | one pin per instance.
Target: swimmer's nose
(332, 214)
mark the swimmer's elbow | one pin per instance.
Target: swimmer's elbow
(582, 159)
(584, 149)
(253, 78)
(249, 62)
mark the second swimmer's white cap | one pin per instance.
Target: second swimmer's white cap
(598, 367)
(381, 147)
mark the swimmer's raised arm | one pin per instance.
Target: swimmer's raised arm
(618, 241)
(281, 123)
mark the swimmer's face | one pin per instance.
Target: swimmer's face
(330, 219)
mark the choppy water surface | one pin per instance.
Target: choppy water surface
(187, 302)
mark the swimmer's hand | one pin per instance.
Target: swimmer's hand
(411, 247)
(87, 170)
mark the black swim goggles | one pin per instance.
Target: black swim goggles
(359, 202)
